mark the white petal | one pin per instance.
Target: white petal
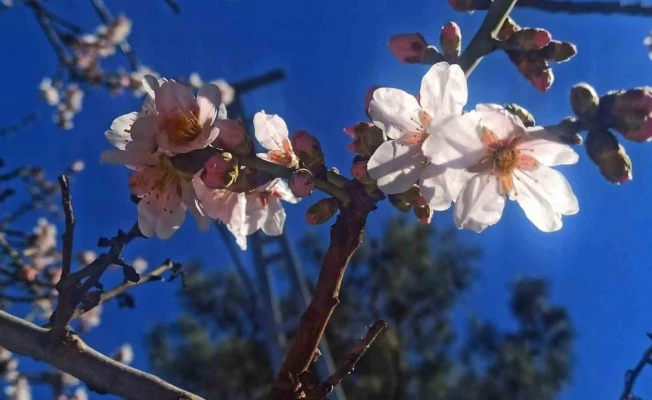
(275, 218)
(443, 90)
(221, 111)
(500, 121)
(440, 185)
(119, 134)
(455, 141)
(170, 222)
(281, 190)
(396, 167)
(189, 198)
(256, 214)
(479, 204)
(240, 237)
(208, 100)
(547, 149)
(271, 131)
(395, 112)
(150, 85)
(549, 185)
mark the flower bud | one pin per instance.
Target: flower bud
(399, 202)
(461, 5)
(508, 29)
(302, 183)
(610, 157)
(423, 214)
(542, 80)
(232, 137)
(322, 211)
(408, 47)
(368, 138)
(632, 114)
(220, 171)
(522, 114)
(360, 173)
(450, 39)
(559, 51)
(584, 100)
(530, 38)
(308, 149)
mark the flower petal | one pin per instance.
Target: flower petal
(275, 218)
(208, 100)
(443, 90)
(548, 185)
(150, 85)
(440, 185)
(173, 96)
(479, 204)
(500, 121)
(129, 158)
(256, 212)
(395, 112)
(281, 190)
(189, 198)
(396, 167)
(547, 148)
(271, 131)
(119, 134)
(455, 141)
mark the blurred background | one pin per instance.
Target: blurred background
(511, 313)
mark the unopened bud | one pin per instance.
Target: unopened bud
(232, 137)
(408, 47)
(423, 214)
(461, 5)
(220, 171)
(632, 114)
(359, 172)
(301, 183)
(542, 80)
(322, 211)
(584, 100)
(368, 138)
(530, 38)
(522, 114)
(610, 157)
(399, 202)
(508, 29)
(451, 41)
(559, 51)
(308, 149)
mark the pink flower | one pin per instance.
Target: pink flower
(225, 206)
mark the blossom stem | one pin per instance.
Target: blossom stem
(482, 42)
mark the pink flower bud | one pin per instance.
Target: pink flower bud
(232, 136)
(543, 80)
(559, 51)
(322, 211)
(451, 41)
(367, 138)
(302, 183)
(423, 214)
(610, 157)
(531, 38)
(632, 114)
(359, 170)
(308, 149)
(220, 171)
(408, 47)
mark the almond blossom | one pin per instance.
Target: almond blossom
(264, 208)
(225, 206)
(272, 132)
(397, 164)
(490, 155)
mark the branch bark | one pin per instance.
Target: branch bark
(68, 235)
(102, 374)
(346, 237)
(632, 374)
(588, 7)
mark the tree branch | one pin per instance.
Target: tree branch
(102, 374)
(632, 374)
(482, 42)
(346, 237)
(323, 390)
(588, 7)
(66, 201)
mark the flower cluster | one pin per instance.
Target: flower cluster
(475, 159)
(186, 154)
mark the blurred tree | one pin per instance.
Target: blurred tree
(412, 277)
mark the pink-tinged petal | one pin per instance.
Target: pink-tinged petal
(129, 158)
(443, 90)
(549, 185)
(172, 97)
(395, 112)
(169, 223)
(221, 111)
(396, 167)
(189, 198)
(143, 134)
(546, 148)
(240, 237)
(256, 212)
(479, 204)
(455, 141)
(220, 204)
(149, 106)
(502, 123)
(275, 221)
(150, 85)
(119, 134)
(230, 134)
(441, 186)
(280, 189)
(208, 100)
(271, 131)
(160, 209)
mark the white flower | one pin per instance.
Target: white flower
(264, 209)
(397, 164)
(493, 155)
(272, 132)
(49, 93)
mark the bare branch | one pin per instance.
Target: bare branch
(174, 6)
(323, 390)
(102, 374)
(588, 7)
(632, 374)
(125, 47)
(66, 201)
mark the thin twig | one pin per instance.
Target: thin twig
(125, 47)
(632, 374)
(323, 390)
(174, 6)
(68, 235)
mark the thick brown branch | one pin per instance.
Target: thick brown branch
(345, 369)
(346, 237)
(66, 201)
(100, 373)
(632, 374)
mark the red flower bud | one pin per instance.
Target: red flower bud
(308, 149)
(408, 47)
(302, 183)
(632, 112)
(531, 38)
(610, 157)
(451, 41)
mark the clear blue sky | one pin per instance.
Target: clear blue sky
(599, 263)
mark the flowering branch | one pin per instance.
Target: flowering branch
(323, 390)
(483, 41)
(102, 374)
(124, 46)
(632, 374)
(346, 237)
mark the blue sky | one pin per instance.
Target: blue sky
(599, 263)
